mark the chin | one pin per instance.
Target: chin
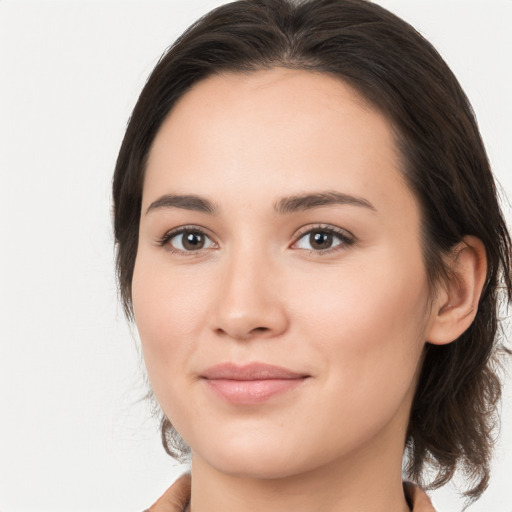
(244, 457)
(256, 467)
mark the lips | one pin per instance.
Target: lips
(250, 384)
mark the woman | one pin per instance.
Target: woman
(310, 243)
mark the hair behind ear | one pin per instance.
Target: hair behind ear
(459, 387)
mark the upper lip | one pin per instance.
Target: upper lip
(252, 371)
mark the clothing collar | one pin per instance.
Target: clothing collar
(177, 498)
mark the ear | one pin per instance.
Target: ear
(456, 302)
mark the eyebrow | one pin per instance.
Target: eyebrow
(319, 199)
(185, 202)
(285, 205)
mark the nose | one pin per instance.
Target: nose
(251, 301)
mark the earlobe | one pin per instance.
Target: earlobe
(456, 305)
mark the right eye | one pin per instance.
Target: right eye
(187, 240)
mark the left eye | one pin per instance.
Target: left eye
(190, 240)
(321, 240)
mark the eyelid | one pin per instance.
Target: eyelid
(164, 240)
(344, 235)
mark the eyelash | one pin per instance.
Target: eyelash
(346, 239)
(165, 240)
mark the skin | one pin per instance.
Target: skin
(353, 318)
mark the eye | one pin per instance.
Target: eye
(187, 240)
(322, 239)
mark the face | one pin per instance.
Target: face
(279, 287)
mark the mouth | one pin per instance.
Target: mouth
(251, 384)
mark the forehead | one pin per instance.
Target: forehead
(275, 131)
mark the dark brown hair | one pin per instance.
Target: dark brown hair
(444, 161)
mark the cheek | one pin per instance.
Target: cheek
(368, 330)
(168, 312)
(371, 323)
(167, 301)
(366, 301)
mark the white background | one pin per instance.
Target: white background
(72, 434)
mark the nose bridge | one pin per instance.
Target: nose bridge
(248, 302)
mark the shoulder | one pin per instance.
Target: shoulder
(417, 498)
(175, 499)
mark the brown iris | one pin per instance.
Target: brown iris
(320, 240)
(192, 241)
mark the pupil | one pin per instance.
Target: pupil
(320, 240)
(193, 241)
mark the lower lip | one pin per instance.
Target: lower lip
(251, 392)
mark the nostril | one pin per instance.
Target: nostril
(260, 329)
(252, 332)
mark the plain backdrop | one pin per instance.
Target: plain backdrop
(74, 433)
